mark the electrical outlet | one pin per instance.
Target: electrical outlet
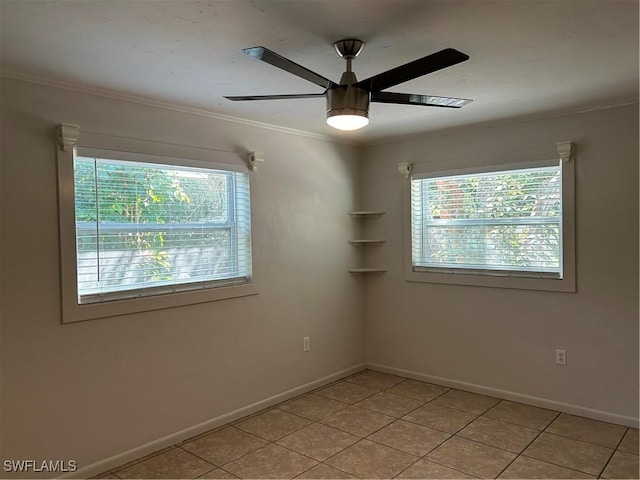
(561, 357)
(305, 344)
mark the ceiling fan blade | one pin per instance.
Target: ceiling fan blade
(271, 57)
(431, 63)
(413, 99)
(274, 97)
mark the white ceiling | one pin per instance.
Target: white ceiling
(528, 57)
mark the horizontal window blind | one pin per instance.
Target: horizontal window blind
(498, 223)
(147, 229)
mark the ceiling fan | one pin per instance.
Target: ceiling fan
(348, 101)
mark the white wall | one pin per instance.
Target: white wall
(90, 390)
(506, 339)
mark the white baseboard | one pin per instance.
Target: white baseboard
(177, 437)
(633, 422)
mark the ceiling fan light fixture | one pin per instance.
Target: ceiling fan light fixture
(348, 121)
(347, 107)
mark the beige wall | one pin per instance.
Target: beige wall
(505, 339)
(90, 390)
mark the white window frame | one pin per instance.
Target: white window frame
(132, 150)
(499, 279)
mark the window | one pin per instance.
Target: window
(147, 229)
(493, 227)
(141, 232)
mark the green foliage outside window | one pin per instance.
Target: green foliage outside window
(143, 208)
(501, 220)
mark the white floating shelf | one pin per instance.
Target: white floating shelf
(359, 243)
(366, 213)
(365, 271)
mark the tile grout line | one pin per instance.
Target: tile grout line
(269, 443)
(558, 465)
(337, 468)
(305, 471)
(408, 466)
(443, 406)
(581, 441)
(322, 462)
(359, 436)
(241, 456)
(444, 431)
(387, 414)
(201, 458)
(527, 446)
(586, 441)
(424, 457)
(562, 436)
(372, 441)
(518, 424)
(446, 466)
(455, 435)
(612, 454)
(539, 432)
(217, 468)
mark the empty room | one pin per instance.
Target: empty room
(319, 239)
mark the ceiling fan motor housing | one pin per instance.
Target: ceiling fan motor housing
(347, 100)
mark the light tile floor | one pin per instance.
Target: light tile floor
(374, 425)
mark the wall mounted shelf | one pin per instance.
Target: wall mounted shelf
(367, 214)
(366, 271)
(366, 242)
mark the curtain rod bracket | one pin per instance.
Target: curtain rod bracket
(255, 158)
(405, 169)
(565, 149)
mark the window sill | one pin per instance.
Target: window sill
(73, 312)
(566, 284)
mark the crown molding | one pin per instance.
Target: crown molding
(102, 92)
(500, 122)
(115, 95)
